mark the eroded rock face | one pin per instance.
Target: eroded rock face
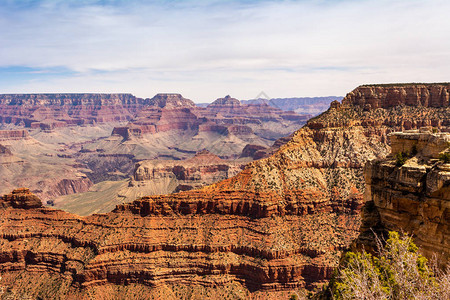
(8, 135)
(391, 95)
(205, 247)
(413, 198)
(49, 111)
(20, 198)
(170, 101)
(202, 169)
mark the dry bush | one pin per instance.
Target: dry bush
(398, 271)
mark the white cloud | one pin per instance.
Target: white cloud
(208, 49)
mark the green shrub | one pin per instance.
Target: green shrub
(398, 271)
(445, 157)
(401, 158)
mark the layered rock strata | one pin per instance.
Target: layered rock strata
(414, 197)
(20, 198)
(12, 135)
(49, 111)
(202, 169)
(224, 127)
(196, 248)
(152, 177)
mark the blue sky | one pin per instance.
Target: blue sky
(208, 49)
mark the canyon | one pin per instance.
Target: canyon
(64, 144)
(278, 226)
(152, 177)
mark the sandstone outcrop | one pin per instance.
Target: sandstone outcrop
(414, 197)
(170, 101)
(391, 95)
(20, 198)
(13, 135)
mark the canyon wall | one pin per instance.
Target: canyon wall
(9, 135)
(413, 197)
(49, 111)
(390, 95)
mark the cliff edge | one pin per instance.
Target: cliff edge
(409, 191)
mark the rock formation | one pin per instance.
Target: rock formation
(170, 101)
(20, 134)
(391, 95)
(414, 197)
(172, 126)
(20, 198)
(152, 177)
(202, 169)
(278, 225)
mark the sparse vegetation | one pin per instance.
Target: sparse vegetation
(398, 271)
(445, 157)
(293, 297)
(401, 158)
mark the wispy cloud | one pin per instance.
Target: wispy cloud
(205, 49)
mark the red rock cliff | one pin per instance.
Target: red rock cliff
(390, 95)
(48, 111)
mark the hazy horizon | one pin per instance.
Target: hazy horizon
(208, 49)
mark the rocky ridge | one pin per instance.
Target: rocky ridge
(49, 111)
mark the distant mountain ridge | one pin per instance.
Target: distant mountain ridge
(301, 105)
